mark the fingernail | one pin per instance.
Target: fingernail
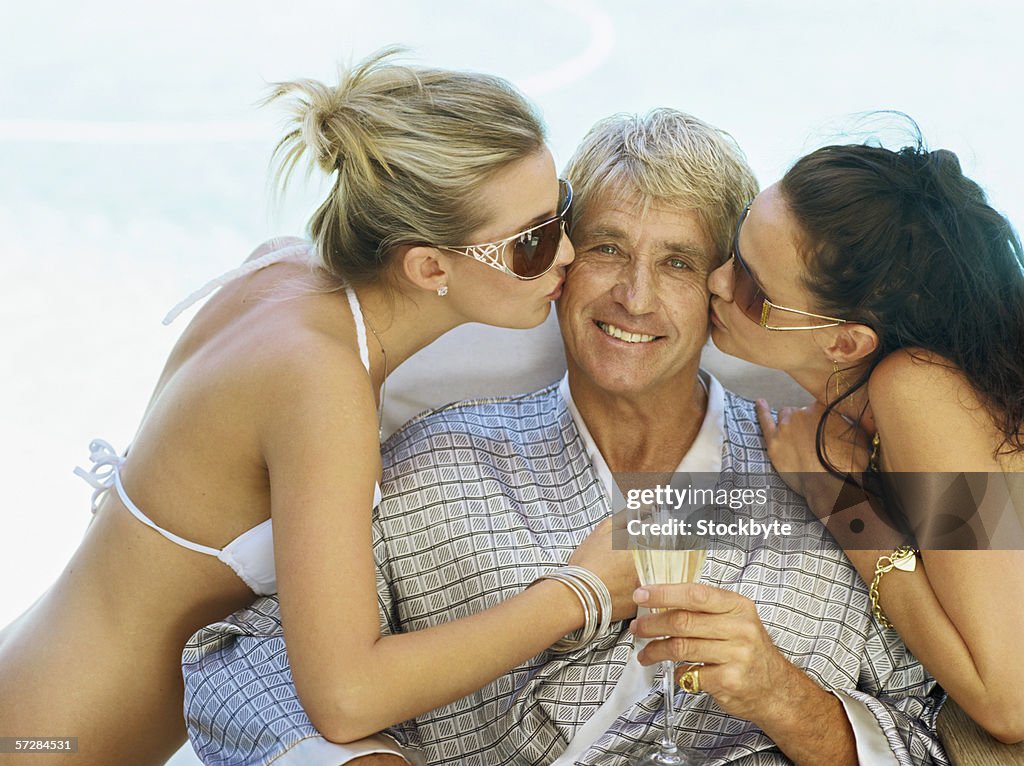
(632, 626)
(640, 595)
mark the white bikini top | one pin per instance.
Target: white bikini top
(251, 554)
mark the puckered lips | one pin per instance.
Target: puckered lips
(555, 294)
(713, 316)
(629, 335)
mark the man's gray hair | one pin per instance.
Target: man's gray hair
(670, 157)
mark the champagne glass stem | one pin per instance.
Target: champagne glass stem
(668, 741)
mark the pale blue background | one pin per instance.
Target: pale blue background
(133, 162)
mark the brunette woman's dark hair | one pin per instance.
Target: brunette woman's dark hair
(903, 242)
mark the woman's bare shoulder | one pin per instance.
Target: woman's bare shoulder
(261, 350)
(925, 407)
(909, 377)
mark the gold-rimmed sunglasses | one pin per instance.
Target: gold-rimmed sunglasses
(533, 251)
(748, 295)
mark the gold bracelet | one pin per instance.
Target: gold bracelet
(903, 558)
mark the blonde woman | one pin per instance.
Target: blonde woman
(254, 468)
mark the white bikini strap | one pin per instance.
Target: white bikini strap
(150, 523)
(246, 268)
(105, 462)
(106, 472)
(357, 315)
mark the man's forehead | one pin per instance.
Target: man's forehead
(618, 199)
(674, 227)
(619, 202)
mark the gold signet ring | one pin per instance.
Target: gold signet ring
(690, 681)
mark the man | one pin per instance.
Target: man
(484, 497)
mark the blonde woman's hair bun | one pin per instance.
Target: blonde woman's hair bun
(409, 147)
(335, 123)
(319, 125)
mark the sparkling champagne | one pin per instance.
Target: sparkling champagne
(659, 567)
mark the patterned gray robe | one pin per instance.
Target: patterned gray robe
(481, 498)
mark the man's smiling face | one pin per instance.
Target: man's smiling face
(634, 307)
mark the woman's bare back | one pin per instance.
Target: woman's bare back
(98, 656)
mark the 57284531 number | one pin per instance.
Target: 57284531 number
(38, 744)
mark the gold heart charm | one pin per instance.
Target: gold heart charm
(906, 562)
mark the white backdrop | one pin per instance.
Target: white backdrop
(133, 162)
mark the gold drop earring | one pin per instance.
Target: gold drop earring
(838, 375)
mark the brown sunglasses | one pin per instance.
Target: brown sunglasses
(533, 250)
(749, 296)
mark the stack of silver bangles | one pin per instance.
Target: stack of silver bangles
(595, 599)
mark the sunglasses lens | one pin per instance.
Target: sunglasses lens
(535, 251)
(746, 294)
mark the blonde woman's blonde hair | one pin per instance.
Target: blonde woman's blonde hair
(669, 157)
(409, 147)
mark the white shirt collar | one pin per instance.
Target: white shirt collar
(704, 455)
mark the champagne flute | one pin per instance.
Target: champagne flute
(657, 565)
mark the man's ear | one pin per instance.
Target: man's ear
(852, 343)
(425, 267)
